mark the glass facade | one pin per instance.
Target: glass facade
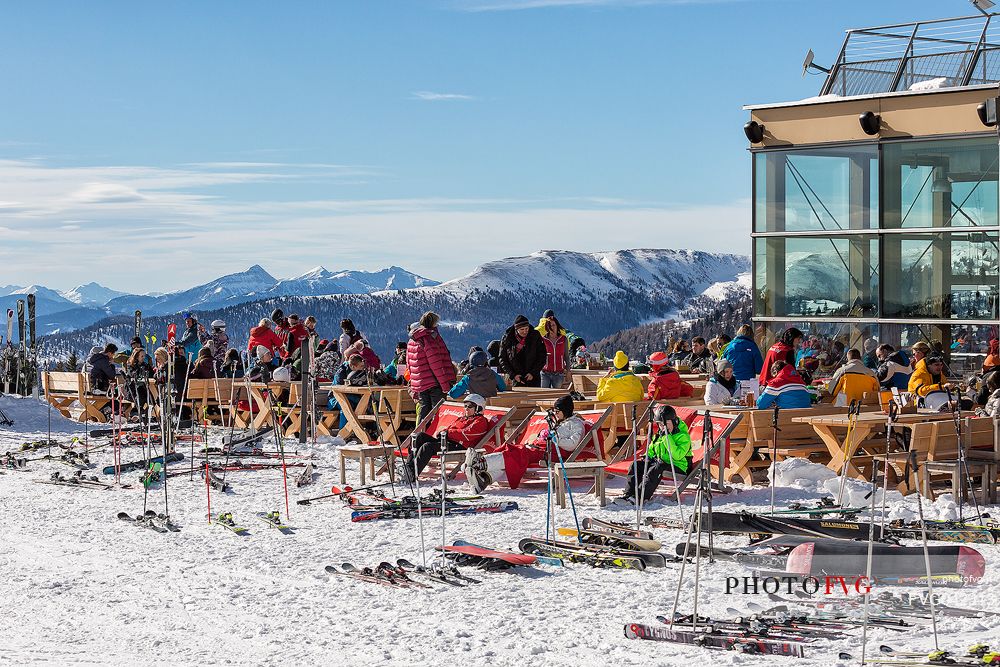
(895, 240)
(821, 189)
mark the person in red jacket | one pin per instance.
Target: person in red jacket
(464, 433)
(429, 363)
(297, 333)
(263, 335)
(665, 382)
(782, 350)
(556, 355)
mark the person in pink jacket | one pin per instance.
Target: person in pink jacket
(429, 362)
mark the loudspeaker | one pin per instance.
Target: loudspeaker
(870, 122)
(754, 132)
(988, 112)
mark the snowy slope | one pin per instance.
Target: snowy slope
(89, 589)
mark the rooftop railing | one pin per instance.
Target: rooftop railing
(945, 53)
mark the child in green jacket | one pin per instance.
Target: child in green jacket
(671, 445)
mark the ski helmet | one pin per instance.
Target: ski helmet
(283, 374)
(478, 358)
(476, 400)
(666, 413)
(564, 404)
(218, 324)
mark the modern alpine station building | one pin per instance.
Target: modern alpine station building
(875, 204)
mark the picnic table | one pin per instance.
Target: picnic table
(832, 430)
(261, 404)
(388, 422)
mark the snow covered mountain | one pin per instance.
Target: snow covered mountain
(594, 294)
(91, 294)
(321, 281)
(599, 274)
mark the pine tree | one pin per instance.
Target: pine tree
(72, 362)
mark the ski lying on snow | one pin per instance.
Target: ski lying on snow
(615, 528)
(414, 512)
(611, 540)
(273, 519)
(157, 522)
(577, 554)
(431, 574)
(306, 476)
(366, 574)
(542, 560)
(225, 520)
(729, 643)
(143, 463)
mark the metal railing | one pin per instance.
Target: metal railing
(944, 53)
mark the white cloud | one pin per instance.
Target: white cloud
(164, 218)
(429, 96)
(107, 193)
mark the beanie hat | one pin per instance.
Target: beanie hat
(564, 404)
(722, 364)
(277, 314)
(261, 351)
(137, 341)
(658, 359)
(521, 320)
(870, 344)
(621, 360)
(549, 313)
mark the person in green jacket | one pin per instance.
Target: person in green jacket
(668, 452)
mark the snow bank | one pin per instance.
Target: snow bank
(31, 416)
(930, 84)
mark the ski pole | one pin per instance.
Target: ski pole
(871, 544)
(927, 558)
(852, 411)
(635, 466)
(774, 454)
(444, 490)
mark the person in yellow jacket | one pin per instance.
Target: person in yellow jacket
(928, 376)
(854, 379)
(620, 385)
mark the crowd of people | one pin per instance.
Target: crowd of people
(789, 374)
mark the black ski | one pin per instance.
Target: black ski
(143, 463)
(707, 640)
(306, 476)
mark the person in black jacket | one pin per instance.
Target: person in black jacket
(102, 369)
(522, 354)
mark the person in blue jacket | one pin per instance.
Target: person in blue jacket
(479, 378)
(190, 339)
(786, 389)
(744, 355)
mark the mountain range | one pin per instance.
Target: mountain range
(593, 294)
(63, 311)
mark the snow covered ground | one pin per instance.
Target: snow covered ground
(81, 587)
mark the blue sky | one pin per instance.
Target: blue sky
(151, 146)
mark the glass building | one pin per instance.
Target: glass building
(875, 205)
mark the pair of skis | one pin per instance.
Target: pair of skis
(272, 519)
(159, 523)
(407, 512)
(401, 575)
(708, 639)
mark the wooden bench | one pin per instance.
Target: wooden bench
(64, 389)
(215, 393)
(936, 442)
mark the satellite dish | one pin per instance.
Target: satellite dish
(983, 6)
(807, 62)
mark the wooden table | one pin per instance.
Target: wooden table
(365, 456)
(261, 405)
(865, 424)
(593, 469)
(358, 415)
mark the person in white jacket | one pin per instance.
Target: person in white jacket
(723, 388)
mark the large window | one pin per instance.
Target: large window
(944, 275)
(943, 183)
(817, 276)
(827, 189)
